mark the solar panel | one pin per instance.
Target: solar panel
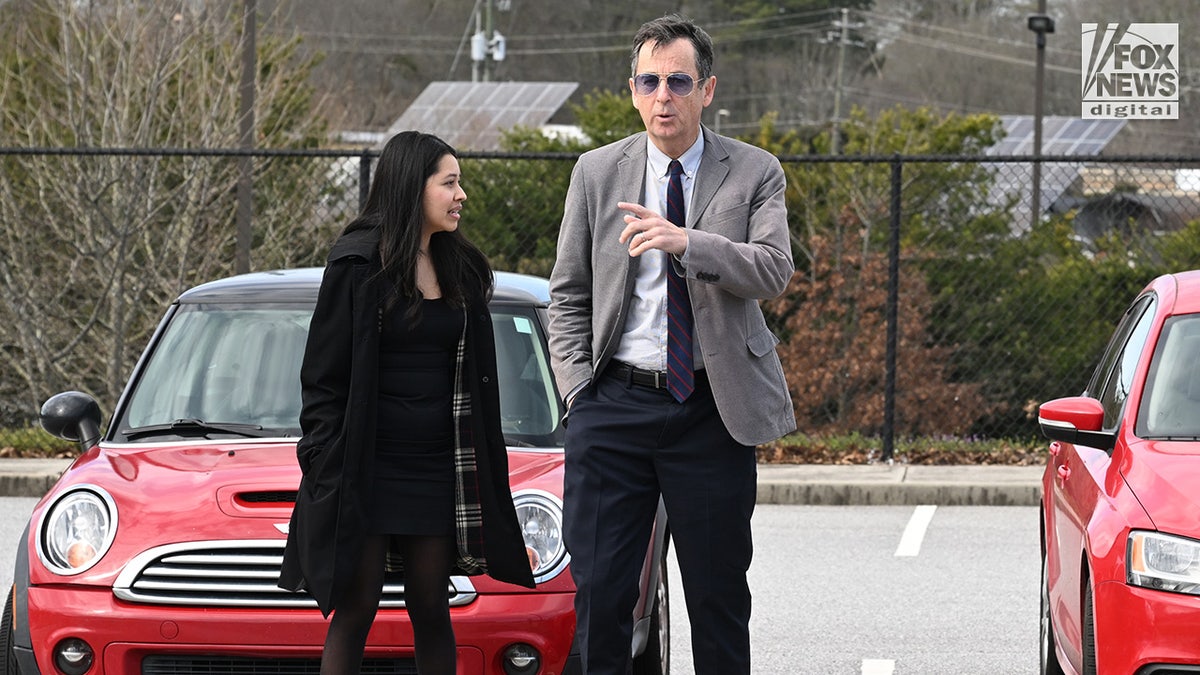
(472, 115)
(1061, 136)
(1069, 136)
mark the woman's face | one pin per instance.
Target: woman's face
(442, 199)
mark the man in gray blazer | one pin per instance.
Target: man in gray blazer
(660, 349)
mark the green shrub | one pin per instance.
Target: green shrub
(33, 441)
(854, 448)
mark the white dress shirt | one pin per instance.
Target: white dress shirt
(644, 339)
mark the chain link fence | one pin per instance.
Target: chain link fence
(933, 297)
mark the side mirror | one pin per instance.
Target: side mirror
(72, 416)
(1076, 420)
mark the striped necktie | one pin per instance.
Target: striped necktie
(680, 376)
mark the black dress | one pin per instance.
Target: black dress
(413, 485)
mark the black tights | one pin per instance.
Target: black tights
(427, 563)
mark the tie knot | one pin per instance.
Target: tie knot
(674, 168)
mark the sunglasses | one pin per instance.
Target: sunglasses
(680, 84)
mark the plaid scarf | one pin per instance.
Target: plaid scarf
(468, 514)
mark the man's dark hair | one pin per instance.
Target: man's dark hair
(667, 29)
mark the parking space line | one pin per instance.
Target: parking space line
(914, 532)
(878, 667)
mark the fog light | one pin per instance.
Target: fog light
(521, 659)
(73, 656)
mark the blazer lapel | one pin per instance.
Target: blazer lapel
(709, 176)
(631, 179)
(631, 171)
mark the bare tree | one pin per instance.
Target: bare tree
(95, 246)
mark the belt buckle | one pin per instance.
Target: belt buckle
(657, 384)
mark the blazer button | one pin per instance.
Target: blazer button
(485, 379)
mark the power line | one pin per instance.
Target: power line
(881, 28)
(979, 53)
(404, 44)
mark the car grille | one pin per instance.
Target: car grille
(234, 574)
(221, 665)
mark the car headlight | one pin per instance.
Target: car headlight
(77, 530)
(1163, 562)
(539, 515)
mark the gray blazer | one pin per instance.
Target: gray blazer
(739, 252)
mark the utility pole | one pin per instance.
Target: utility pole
(245, 181)
(834, 134)
(842, 37)
(487, 45)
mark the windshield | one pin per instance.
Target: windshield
(224, 364)
(1170, 407)
(233, 371)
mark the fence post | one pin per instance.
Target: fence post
(893, 303)
(364, 178)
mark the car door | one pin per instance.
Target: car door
(1080, 473)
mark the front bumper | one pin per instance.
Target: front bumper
(1139, 630)
(130, 639)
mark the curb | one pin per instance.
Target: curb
(786, 484)
(29, 477)
(899, 485)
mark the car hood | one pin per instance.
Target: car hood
(171, 475)
(1165, 477)
(208, 491)
(176, 473)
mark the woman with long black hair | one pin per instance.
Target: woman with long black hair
(404, 462)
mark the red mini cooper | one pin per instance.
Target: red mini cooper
(157, 552)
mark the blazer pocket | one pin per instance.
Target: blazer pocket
(762, 343)
(730, 220)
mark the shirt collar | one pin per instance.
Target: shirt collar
(690, 159)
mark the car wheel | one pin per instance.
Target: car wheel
(1089, 632)
(656, 658)
(7, 656)
(1049, 657)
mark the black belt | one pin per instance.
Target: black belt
(654, 379)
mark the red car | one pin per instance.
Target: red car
(1121, 499)
(158, 550)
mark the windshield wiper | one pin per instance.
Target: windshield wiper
(193, 427)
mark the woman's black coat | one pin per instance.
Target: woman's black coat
(339, 377)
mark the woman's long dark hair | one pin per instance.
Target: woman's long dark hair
(394, 206)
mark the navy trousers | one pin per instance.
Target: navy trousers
(625, 446)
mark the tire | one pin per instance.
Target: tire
(655, 659)
(8, 657)
(1049, 657)
(1089, 632)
